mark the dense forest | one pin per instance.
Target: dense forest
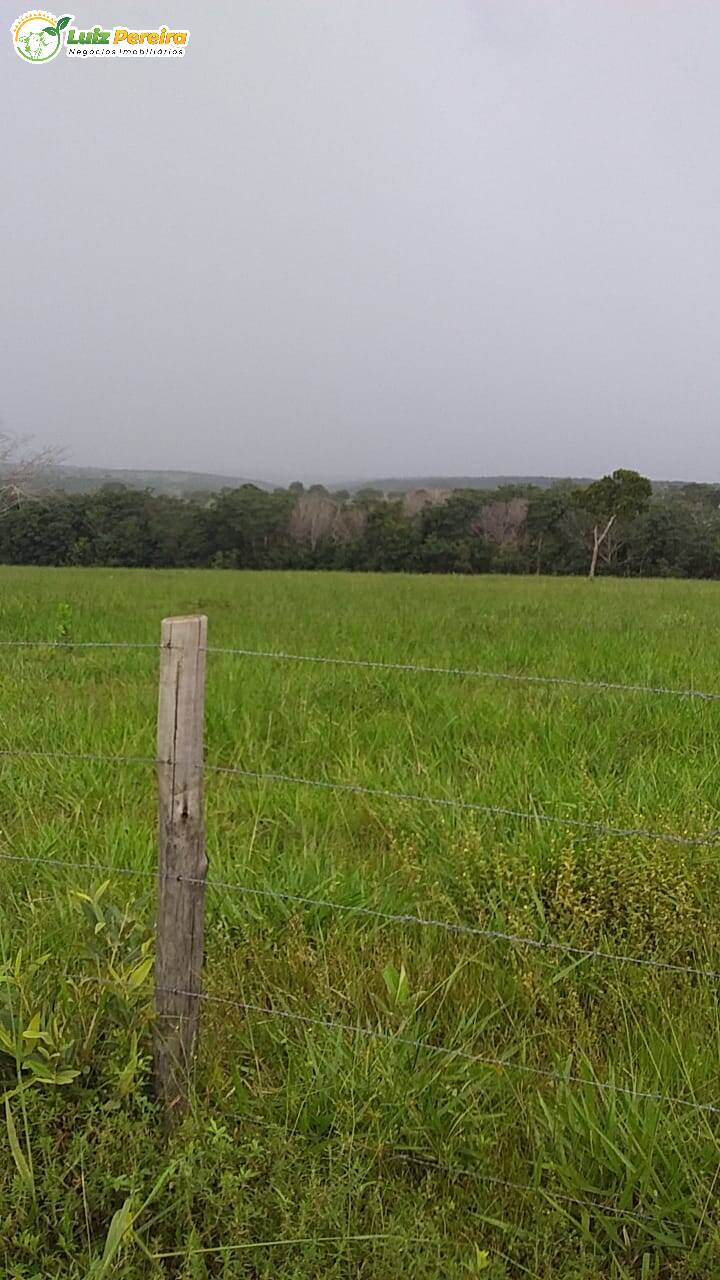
(616, 525)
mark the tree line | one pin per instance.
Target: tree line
(616, 525)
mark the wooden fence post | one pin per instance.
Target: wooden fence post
(182, 862)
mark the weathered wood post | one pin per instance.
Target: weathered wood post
(182, 862)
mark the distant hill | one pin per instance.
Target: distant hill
(179, 484)
(403, 484)
(176, 484)
(70, 479)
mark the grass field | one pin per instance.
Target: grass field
(309, 1152)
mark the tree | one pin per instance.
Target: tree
(21, 470)
(501, 523)
(389, 539)
(544, 525)
(614, 499)
(675, 534)
(249, 526)
(313, 518)
(659, 540)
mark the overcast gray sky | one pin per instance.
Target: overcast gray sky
(370, 237)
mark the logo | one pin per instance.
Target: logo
(37, 36)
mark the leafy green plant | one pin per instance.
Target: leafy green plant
(35, 1047)
(21, 1163)
(123, 1232)
(397, 986)
(63, 621)
(116, 940)
(478, 1262)
(116, 945)
(34, 1051)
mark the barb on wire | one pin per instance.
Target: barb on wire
(470, 672)
(355, 788)
(598, 1206)
(497, 1064)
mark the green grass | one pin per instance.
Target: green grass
(308, 1152)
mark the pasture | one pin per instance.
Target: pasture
(314, 1151)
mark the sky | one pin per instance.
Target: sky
(345, 239)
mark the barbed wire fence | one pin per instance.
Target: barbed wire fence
(181, 878)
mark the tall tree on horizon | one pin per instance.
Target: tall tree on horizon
(617, 497)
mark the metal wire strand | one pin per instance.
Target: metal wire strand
(78, 644)
(372, 664)
(7, 753)
(78, 866)
(471, 673)
(449, 926)
(597, 1206)
(496, 935)
(498, 1064)
(355, 788)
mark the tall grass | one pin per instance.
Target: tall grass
(313, 1152)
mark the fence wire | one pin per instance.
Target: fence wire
(608, 686)
(381, 793)
(79, 644)
(449, 926)
(464, 1055)
(94, 756)
(471, 673)
(500, 811)
(426, 1046)
(597, 1206)
(61, 863)
(387, 917)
